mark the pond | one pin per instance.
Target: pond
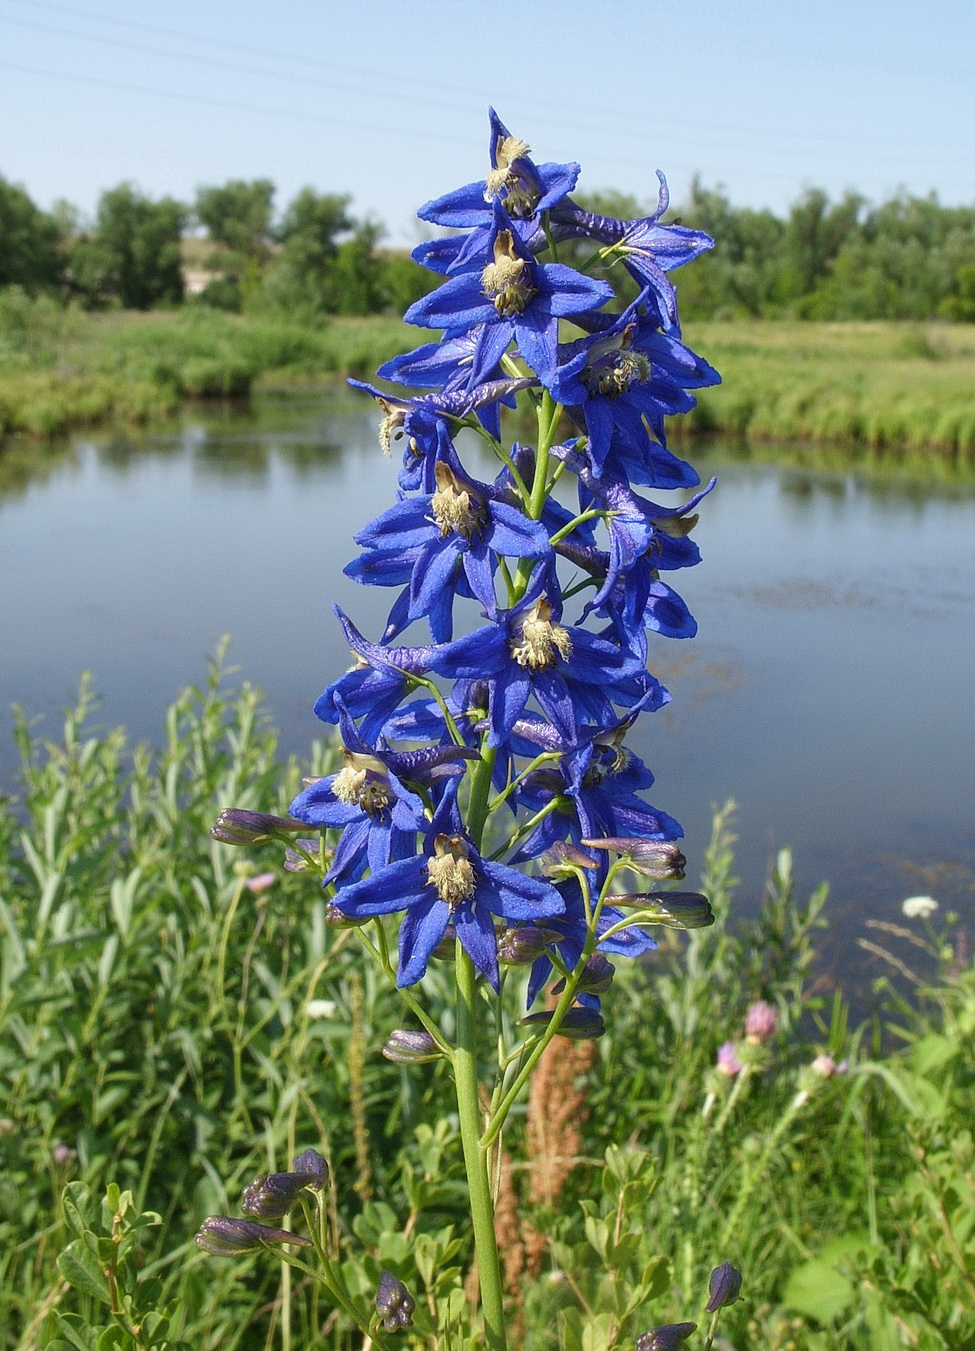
(829, 692)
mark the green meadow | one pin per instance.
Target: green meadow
(880, 386)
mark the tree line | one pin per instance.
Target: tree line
(909, 258)
(314, 258)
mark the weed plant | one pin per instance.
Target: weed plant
(175, 1022)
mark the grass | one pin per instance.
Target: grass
(62, 369)
(887, 386)
(170, 1028)
(872, 388)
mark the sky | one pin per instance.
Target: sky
(386, 101)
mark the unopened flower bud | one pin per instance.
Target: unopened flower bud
(271, 1196)
(234, 825)
(672, 909)
(297, 863)
(562, 858)
(723, 1287)
(524, 944)
(579, 1024)
(665, 1338)
(659, 859)
(761, 1021)
(728, 1062)
(225, 1236)
(411, 1046)
(395, 1303)
(597, 976)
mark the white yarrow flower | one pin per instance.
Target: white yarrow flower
(919, 907)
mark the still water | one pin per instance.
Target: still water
(829, 692)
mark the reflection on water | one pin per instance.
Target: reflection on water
(829, 691)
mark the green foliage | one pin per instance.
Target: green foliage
(166, 1028)
(132, 258)
(102, 1263)
(29, 243)
(237, 217)
(905, 259)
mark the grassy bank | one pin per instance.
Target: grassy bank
(61, 370)
(178, 1017)
(877, 386)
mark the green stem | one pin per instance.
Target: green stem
(476, 1157)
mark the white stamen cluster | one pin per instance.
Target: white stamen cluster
(451, 873)
(507, 281)
(456, 506)
(362, 783)
(536, 641)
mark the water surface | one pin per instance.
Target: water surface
(829, 692)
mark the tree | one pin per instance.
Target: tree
(29, 243)
(133, 256)
(237, 216)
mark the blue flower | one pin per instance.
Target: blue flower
(627, 378)
(649, 250)
(428, 540)
(573, 931)
(571, 672)
(512, 298)
(368, 800)
(373, 688)
(524, 187)
(449, 883)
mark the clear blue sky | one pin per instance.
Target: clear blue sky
(387, 100)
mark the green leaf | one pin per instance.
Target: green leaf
(114, 1338)
(930, 1053)
(79, 1332)
(818, 1288)
(78, 1207)
(80, 1267)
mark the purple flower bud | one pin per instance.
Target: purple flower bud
(665, 1338)
(225, 1236)
(579, 1024)
(61, 1154)
(723, 1287)
(395, 1303)
(672, 909)
(728, 1062)
(597, 976)
(761, 1021)
(524, 943)
(295, 862)
(658, 859)
(234, 825)
(561, 858)
(312, 1166)
(409, 1046)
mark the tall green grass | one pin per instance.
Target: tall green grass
(886, 386)
(872, 388)
(61, 369)
(168, 1027)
